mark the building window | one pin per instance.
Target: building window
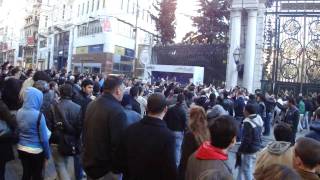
(63, 10)
(78, 10)
(91, 28)
(128, 5)
(104, 3)
(87, 7)
(43, 43)
(46, 22)
(92, 8)
(122, 4)
(133, 8)
(82, 8)
(98, 4)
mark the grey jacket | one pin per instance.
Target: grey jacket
(196, 167)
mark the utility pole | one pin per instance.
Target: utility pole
(136, 40)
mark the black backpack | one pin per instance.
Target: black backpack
(63, 134)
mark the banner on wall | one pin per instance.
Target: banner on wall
(106, 24)
(95, 49)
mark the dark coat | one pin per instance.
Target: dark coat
(10, 94)
(104, 125)
(239, 105)
(135, 105)
(292, 118)
(251, 141)
(83, 100)
(314, 131)
(176, 118)
(148, 151)
(189, 146)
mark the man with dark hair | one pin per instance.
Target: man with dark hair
(104, 124)
(252, 100)
(83, 99)
(315, 127)
(306, 158)
(134, 93)
(148, 147)
(214, 154)
(277, 152)
(292, 117)
(11, 90)
(251, 142)
(176, 119)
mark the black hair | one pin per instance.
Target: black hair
(156, 103)
(66, 91)
(292, 100)
(212, 97)
(180, 98)
(251, 109)
(15, 70)
(29, 71)
(252, 97)
(111, 83)
(41, 75)
(86, 83)
(140, 89)
(6, 116)
(308, 150)
(262, 97)
(283, 132)
(222, 131)
(52, 84)
(134, 91)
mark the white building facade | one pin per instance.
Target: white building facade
(246, 37)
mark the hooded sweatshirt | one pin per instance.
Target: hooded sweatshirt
(207, 157)
(251, 139)
(277, 152)
(27, 117)
(314, 130)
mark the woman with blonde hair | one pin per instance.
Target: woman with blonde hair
(197, 133)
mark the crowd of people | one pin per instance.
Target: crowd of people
(113, 127)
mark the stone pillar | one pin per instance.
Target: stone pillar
(232, 73)
(250, 50)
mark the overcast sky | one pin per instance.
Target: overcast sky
(185, 8)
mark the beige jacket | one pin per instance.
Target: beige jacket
(277, 152)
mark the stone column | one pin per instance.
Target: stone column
(250, 50)
(232, 73)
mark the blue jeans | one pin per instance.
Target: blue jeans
(266, 124)
(78, 170)
(179, 139)
(246, 168)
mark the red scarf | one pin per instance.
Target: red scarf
(208, 152)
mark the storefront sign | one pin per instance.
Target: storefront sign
(119, 50)
(96, 48)
(82, 50)
(129, 53)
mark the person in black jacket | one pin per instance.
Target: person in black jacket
(176, 119)
(292, 117)
(83, 98)
(12, 86)
(134, 92)
(251, 142)
(148, 147)
(104, 125)
(66, 117)
(6, 139)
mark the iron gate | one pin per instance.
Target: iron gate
(292, 47)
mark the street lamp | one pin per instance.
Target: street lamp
(236, 56)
